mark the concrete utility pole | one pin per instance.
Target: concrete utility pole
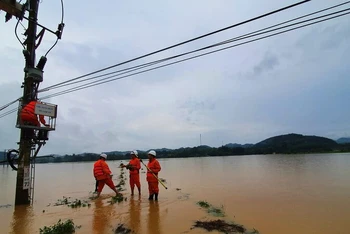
(29, 94)
(30, 135)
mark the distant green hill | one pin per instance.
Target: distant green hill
(343, 140)
(235, 145)
(296, 143)
(283, 144)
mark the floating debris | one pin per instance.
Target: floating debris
(60, 202)
(78, 203)
(218, 212)
(178, 189)
(121, 183)
(73, 204)
(118, 198)
(120, 186)
(203, 204)
(67, 227)
(220, 225)
(122, 230)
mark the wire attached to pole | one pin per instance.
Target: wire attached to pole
(58, 33)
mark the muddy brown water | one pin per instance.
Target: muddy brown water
(274, 194)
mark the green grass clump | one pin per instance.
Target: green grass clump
(117, 199)
(67, 227)
(78, 203)
(63, 201)
(221, 226)
(216, 212)
(203, 204)
(73, 204)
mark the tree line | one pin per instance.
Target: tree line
(287, 144)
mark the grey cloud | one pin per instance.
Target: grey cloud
(192, 109)
(268, 63)
(325, 36)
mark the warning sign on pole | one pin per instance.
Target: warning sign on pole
(26, 178)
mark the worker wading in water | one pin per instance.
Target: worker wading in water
(103, 175)
(28, 116)
(134, 167)
(154, 166)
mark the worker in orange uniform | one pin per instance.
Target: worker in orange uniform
(134, 167)
(153, 166)
(28, 115)
(103, 175)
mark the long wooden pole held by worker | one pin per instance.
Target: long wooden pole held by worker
(152, 172)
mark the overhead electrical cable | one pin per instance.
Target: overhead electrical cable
(62, 18)
(184, 42)
(95, 83)
(255, 33)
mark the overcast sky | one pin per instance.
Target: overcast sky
(293, 83)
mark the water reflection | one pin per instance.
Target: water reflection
(101, 217)
(153, 218)
(135, 214)
(21, 219)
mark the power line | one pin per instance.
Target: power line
(185, 42)
(130, 69)
(8, 104)
(62, 17)
(225, 48)
(8, 112)
(245, 36)
(17, 34)
(134, 68)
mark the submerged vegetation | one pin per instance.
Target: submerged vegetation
(203, 204)
(117, 199)
(60, 227)
(72, 203)
(211, 209)
(122, 230)
(219, 225)
(120, 187)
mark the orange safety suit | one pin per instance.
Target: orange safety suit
(153, 183)
(103, 175)
(28, 114)
(135, 173)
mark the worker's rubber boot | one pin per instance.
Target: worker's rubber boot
(151, 197)
(156, 196)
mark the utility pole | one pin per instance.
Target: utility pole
(29, 93)
(31, 135)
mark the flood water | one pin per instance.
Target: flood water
(275, 194)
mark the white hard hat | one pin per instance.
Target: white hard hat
(152, 152)
(134, 152)
(103, 156)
